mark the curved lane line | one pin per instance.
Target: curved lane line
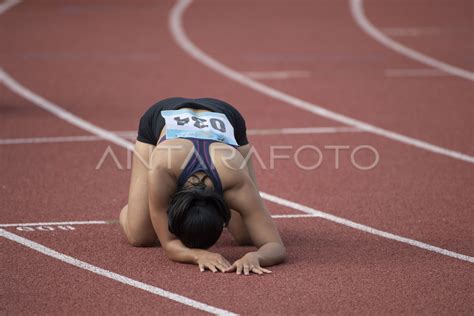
(179, 35)
(7, 5)
(357, 10)
(76, 121)
(60, 112)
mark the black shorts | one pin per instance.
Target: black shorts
(151, 123)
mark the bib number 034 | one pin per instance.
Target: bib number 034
(200, 123)
(204, 125)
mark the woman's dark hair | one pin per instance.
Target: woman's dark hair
(197, 215)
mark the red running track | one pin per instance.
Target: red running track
(106, 63)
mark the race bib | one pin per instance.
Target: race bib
(204, 125)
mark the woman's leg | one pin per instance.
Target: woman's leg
(238, 230)
(134, 217)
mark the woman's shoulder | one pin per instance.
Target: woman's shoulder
(171, 155)
(230, 165)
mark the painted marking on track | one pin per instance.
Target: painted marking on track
(175, 21)
(293, 216)
(357, 10)
(53, 226)
(179, 35)
(45, 228)
(7, 5)
(112, 275)
(87, 56)
(364, 228)
(279, 75)
(59, 223)
(74, 223)
(341, 57)
(49, 140)
(56, 110)
(133, 135)
(304, 130)
(410, 31)
(69, 226)
(415, 72)
(309, 213)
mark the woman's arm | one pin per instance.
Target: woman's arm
(135, 216)
(247, 153)
(161, 186)
(243, 197)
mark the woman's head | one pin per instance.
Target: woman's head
(197, 216)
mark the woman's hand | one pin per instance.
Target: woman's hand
(249, 264)
(211, 261)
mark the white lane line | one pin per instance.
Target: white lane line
(74, 223)
(279, 216)
(57, 223)
(279, 75)
(46, 140)
(364, 228)
(60, 112)
(414, 72)
(112, 275)
(179, 35)
(133, 135)
(304, 130)
(7, 5)
(71, 118)
(357, 10)
(410, 31)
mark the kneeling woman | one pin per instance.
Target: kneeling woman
(191, 177)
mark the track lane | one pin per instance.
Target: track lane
(411, 108)
(39, 284)
(437, 306)
(444, 29)
(402, 194)
(394, 196)
(14, 109)
(101, 77)
(331, 269)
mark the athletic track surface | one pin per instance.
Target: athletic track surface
(393, 75)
